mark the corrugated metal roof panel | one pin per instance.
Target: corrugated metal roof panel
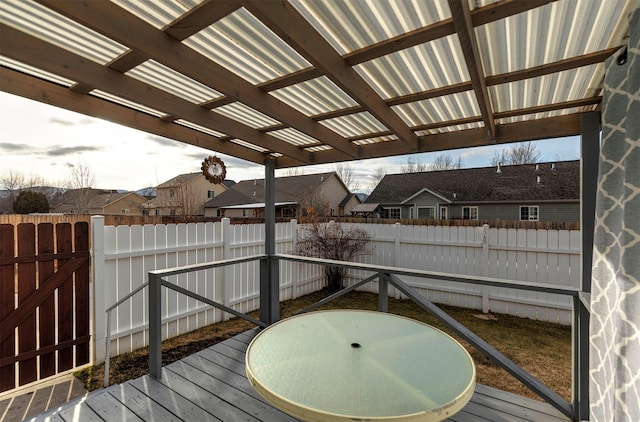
(354, 124)
(248, 145)
(427, 66)
(350, 25)
(119, 100)
(245, 46)
(315, 96)
(547, 34)
(294, 137)
(158, 14)
(439, 109)
(244, 114)
(38, 73)
(202, 129)
(50, 26)
(376, 140)
(160, 76)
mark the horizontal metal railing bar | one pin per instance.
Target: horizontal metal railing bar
(214, 264)
(477, 280)
(133, 292)
(489, 351)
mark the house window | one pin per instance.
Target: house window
(411, 213)
(218, 212)
(427, 212)
(210, 194)
(529, 213)
(124, 211)
(444, 213)
(393, 213)
(469, 213)
(172, 193)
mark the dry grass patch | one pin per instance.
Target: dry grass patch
(543, 349)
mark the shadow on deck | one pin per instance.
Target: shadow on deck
(211, 385)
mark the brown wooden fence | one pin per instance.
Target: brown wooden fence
(44, 300)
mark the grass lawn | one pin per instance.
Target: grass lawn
(543, 349)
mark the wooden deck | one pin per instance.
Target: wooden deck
(212, 386)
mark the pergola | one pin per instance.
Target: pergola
(297, 82)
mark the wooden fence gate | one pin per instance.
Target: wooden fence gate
(44, 300)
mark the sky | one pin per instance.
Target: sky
(40, 140)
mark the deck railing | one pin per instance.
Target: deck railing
(386, 276)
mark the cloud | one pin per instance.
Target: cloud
(68, 122)
(165, 142)
(58, 150)
(10, 147)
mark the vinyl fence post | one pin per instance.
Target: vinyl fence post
(396, 251)
(228, 279)
(485, 267)
(97, 292)
(295, 291)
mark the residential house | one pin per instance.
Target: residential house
(185, 195)
(548, 192)
(96, 201)
(324, 193)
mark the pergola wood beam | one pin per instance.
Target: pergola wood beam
(509, 77)
(291, 26)
(37, 89)
(585, 102)
(461, 16)
(530, 130)
(53, 59)
(127, 29)
(198, 18)
(480, 16)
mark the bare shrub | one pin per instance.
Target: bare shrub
(334, 241)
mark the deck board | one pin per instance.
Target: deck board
(211, 385)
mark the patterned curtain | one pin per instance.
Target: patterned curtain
(615, 300)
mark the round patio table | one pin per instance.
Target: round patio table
(346, 365)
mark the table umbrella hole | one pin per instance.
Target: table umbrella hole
(355, 345)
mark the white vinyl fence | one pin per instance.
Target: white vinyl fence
(123, 256)
(537, 256)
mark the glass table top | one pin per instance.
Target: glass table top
(350, 364)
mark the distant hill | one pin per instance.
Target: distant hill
(148, 192)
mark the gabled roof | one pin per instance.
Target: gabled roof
(105, 199)
(179, 180)
(288, 189)
(527, 182)
(348, 198)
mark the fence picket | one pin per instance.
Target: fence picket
(47, 314)
(26, 286)
(7, 299)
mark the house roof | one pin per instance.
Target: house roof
(179, 180)
(105, 199)
(311, 82)
(95, 198)
(348, 198)
(365, 207)
(287, 189)
(539, 182)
